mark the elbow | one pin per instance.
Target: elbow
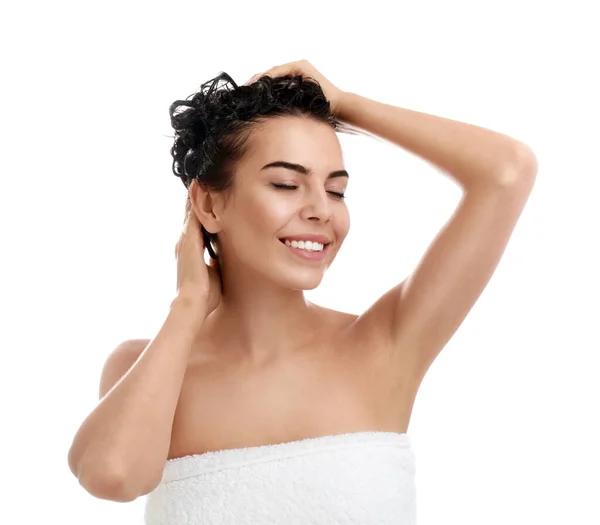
(107, 484)
(527, 160)
(523, 167)
(111, 483)
(109, 488)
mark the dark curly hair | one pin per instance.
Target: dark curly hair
(212, 126)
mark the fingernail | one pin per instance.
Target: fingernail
(252, 79)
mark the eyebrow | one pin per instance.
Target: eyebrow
(302, 169)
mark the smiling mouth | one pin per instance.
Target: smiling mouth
(310, 255)
(325, 244)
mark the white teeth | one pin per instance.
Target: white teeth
(310, 246)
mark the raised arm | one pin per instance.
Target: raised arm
(417, 318)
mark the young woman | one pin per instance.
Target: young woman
(252, 404)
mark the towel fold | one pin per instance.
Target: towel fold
(355, 478)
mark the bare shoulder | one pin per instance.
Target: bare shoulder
(354, 332)
(334, 320)
(364, 327)
(363, 336)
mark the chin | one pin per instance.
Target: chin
(294, 273)
(302, 280)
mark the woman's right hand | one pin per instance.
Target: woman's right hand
(198, 282)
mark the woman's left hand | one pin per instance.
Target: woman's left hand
(303, 67)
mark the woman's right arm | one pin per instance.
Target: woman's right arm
(121, 448)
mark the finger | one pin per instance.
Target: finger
(187, 208)
(252, 79)
(192, 224)
(279, 71)
(291, 68)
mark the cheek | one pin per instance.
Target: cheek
(271, 212)
(265, 214)
(342, 224)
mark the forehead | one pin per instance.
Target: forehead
(297, 139)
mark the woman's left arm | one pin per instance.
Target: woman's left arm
(471, 155)
(415, 319)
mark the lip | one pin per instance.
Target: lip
(306, 255)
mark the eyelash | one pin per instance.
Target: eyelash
(337, 195)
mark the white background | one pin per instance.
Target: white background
(505, 426)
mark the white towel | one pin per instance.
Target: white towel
(361, 477)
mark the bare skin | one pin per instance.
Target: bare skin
(262, 365)
(333, 385)
(263, 312)
(267, 365)
(270, 367)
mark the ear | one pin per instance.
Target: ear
(206, 207)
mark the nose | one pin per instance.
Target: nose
(317, 206)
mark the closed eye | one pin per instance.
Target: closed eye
(288, 187)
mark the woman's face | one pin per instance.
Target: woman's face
(258, 215)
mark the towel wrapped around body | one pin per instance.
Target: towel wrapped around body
(354, 478)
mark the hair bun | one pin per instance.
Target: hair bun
(191, 122)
